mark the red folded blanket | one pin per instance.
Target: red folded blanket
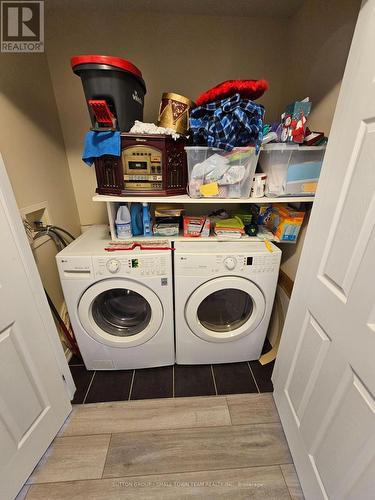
(248, 89)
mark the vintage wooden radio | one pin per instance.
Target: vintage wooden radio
(152, 165)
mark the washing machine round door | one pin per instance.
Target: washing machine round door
(120, 312)
(225, 309)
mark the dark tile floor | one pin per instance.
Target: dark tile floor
(170, 381)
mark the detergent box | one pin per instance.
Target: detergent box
(284, 222)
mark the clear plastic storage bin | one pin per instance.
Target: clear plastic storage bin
(291, 170)
(215, 173)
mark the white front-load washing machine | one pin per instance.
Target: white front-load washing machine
(224, 293)
(120, 303)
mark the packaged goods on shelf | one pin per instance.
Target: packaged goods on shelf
(291, 170)
(215, 173)
(195, 227)
(166, 229)
(284, 222)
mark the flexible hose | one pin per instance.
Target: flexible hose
(58, 236)
(63, 231)
(59, 240)
(60, 243)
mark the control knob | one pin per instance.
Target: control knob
(230, 263)
(113, 266)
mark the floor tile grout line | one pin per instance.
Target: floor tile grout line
(106, 456)
(131, 385)
(173, 382)
(163, 473)
(286, 484)
(223, 469)
(252, 374)
(174, 429)
(230, 413)
(158, 399)
(89, 387)
(213, 377)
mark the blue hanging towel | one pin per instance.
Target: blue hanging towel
(99, 144)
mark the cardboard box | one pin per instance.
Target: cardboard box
(285, 223)
(196, 227)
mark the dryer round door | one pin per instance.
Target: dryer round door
(120, 312)
(225, 309)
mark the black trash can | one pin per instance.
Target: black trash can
(116, 81)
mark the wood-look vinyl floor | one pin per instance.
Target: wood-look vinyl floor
(229, 447)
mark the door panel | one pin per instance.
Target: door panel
(342, 440)
(324, 376)
(355, 210)
(24, 411)
(34, 399)
(308, 361)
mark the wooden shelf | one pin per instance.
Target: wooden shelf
(184, 199)
(245, 238)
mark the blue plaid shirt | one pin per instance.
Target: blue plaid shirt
(229, 123)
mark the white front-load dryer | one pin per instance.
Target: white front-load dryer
(224, 293)
(120, 303)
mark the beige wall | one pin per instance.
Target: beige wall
(320, 37)
(185, 54)
(33, 151)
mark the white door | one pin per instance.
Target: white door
(225, 309)
(324, 376)
(34, 400)
(120, 312)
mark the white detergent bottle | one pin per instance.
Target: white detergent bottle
(123, 223)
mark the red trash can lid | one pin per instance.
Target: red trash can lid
(116, 62)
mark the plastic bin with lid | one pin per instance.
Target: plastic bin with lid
(215, 173)
(291, 170)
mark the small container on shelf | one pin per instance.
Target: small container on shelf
(291, 170)
(259, 185)
(215, 173)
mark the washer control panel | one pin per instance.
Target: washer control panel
(230, 263)
(113, 266)
(247, 264)
(132, 266)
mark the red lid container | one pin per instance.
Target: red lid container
(117, 81)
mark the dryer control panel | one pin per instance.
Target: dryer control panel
(133, 265)
(239, 264)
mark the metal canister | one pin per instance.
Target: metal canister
(174, 112)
